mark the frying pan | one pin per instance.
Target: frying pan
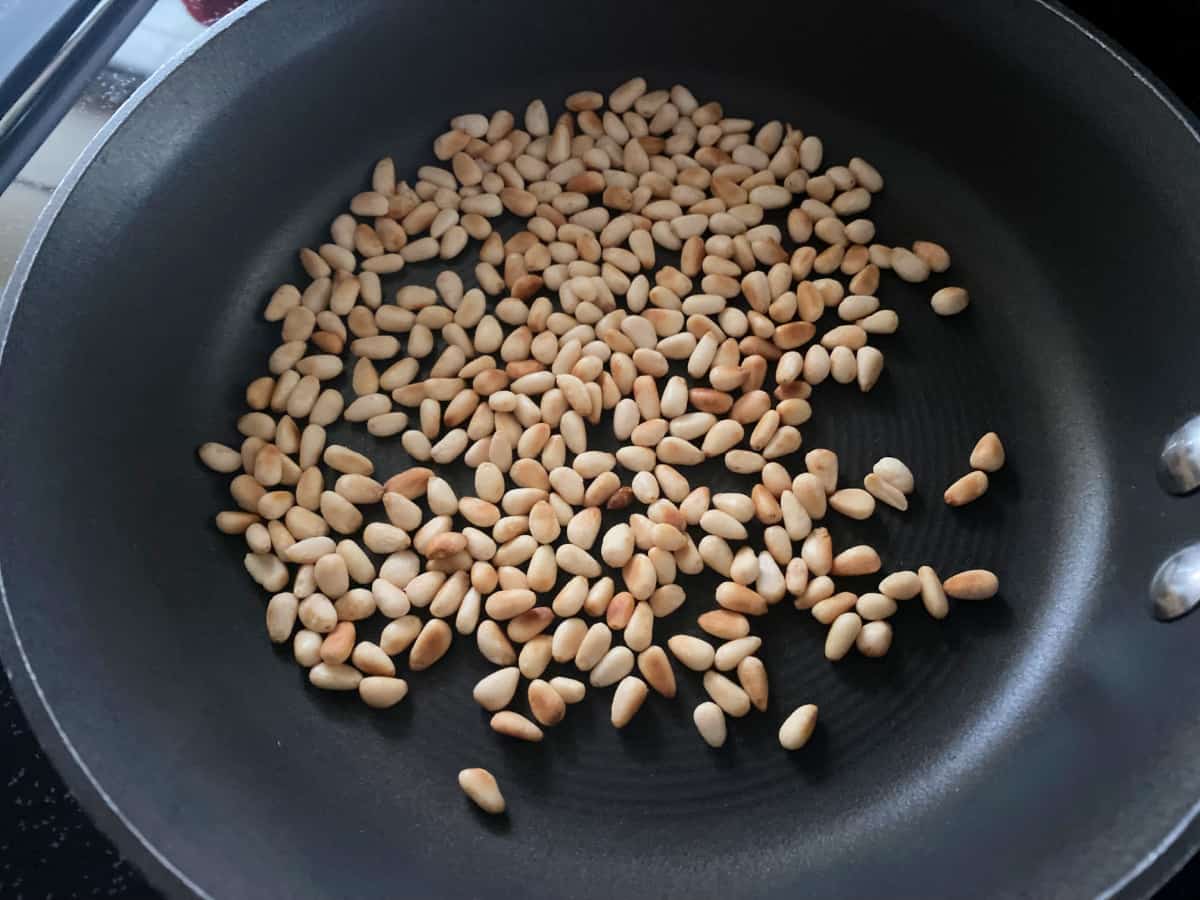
(1042, 744)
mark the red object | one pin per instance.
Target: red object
(208, 11)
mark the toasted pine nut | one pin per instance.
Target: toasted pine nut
(988, 454)
(480, 785)
(973, 584)
(970, 487)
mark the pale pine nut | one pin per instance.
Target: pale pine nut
(933, 596)
(334, 676)
(902, 585)
(875, 606)
(726, 694)
(381, 691)
(656, 669)
(693, 652)
(515, 725)
(842, 635)
(875, 639)
(949, 301)
(480, 785)
(710, 722)
(731, 653)
(853, 503)
(896, 473)
(798, 727)
(885, 492)
(627, 700)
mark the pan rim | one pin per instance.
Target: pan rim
(1156, 867)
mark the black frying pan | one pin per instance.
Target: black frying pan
(1043, 744)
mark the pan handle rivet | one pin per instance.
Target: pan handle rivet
(1179, 462)
(1175, 589)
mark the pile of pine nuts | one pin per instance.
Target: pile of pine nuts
(579, 325)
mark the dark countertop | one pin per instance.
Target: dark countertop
(48, 848)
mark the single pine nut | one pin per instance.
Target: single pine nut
(853, 503)
(896, 473)
(970, 487)
(902, 585)
(627, 700)
(334, 676)
(656, 669)
(693, 652)
(480, 785)
(885, 492)
(949, 301)
(875, 639)
(932, 593)
(875, 606)
(988, 454)
(730, 654)
(710, 722)
(515, 725)
(973, 584)
(431, 645)
(726, 694)
(842, 635)
(615, 665)
(798, 727)
(382, 691)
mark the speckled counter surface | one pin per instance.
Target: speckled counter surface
(48, 848)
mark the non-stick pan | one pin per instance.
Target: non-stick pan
(1041, 744)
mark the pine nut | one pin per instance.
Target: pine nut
(728, 695)
(515, 725)
(798, 727)
(627, 700)
(859, 560)
(752, 676)
(885, 492)
(896, 473)
(431, 644)
(875, 639)
(656, 669)
(988, 454)
(973, 584)
(710, 722)
(842, 635)
(875, 606)
(546, 704)
(334, 677)
(730, 654)
(970, 487)
(741, 599)
(615, 665)
(382, 691)
(693, 652)
(480, 785)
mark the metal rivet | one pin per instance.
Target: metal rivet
(1175, 589)
(1179, 462)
